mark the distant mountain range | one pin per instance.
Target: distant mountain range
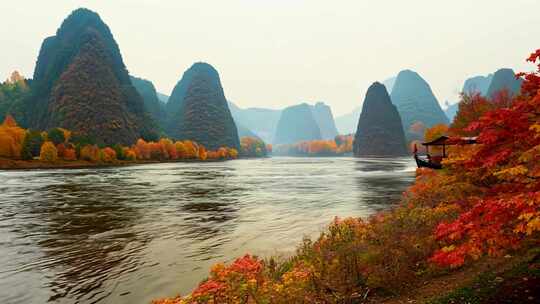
(259, 121)
(81, 83)
(502, 79)
(264, 122)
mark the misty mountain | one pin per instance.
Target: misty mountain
(297, 124)
(199, 110)
(325, 120)
(416, 102)
(380, 132)
(262, 122)
(504, 79)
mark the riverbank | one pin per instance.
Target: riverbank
(396, 256)
(158, 228)
(507, 279)
(12, 164)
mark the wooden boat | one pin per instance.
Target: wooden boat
(434, 162)
(426, 163)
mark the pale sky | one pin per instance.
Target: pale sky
(276, 53)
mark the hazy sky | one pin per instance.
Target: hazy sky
(276, 53)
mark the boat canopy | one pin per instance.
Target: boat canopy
(446, 141)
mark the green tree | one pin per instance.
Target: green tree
(56, 136)
(31, 144)
(119, 152)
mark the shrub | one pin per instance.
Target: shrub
(90, 153)
(107, 155)
(32, 144)
(56, 135)
(48, 152)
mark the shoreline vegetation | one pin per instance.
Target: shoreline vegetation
(60, 148)
(341, 145)
(469, 233)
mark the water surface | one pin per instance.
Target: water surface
(131, 234)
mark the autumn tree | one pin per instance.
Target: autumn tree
(142, 149)
(203, 155)
(107, 155)
(506, 166)
(11, 138)
(48, 152)
(470, 108)
(191, 149)
(181, 150)
(90, 153)
(252, 147)
(70, 154)
(129, 154)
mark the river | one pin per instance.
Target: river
(131, 234)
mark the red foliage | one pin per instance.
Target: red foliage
(506, 163)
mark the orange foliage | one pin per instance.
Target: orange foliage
(181, 150)
(130, 154)
(191, 149)
(48, 152)
(435, 132)
(222, 153)
(168, 148)
(252, 147)
(142, 149)
(11, 138)
(61, 148)
(341, 144)
(90, 153)
(70, 154)
(107, 155)
(203, 155)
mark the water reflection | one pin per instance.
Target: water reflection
(384, 182)
(85, 230)
(128, 235)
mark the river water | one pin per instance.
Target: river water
(131, 234)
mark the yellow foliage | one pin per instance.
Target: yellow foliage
(67, 134)
(509, 173)
(535, 128)
(90, 153)
(203, 155)
(180, 149)
(11, 138)
(233, 153)
(48, 152)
